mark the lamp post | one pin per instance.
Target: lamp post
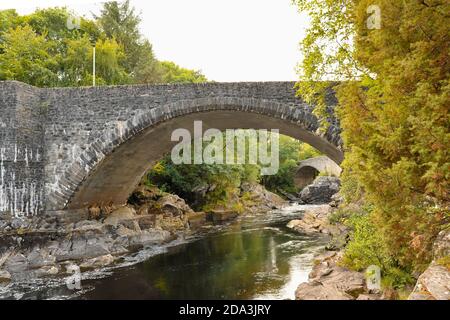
(93, 43)
(93, 66)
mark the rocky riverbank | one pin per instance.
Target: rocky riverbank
(329, 280)
(434, 282)
(54, 244)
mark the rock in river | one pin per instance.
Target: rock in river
(320, 191)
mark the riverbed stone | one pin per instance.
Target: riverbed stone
(16, 263)
(47, 271)
(5, 277)
(220, 215)
(196, 219)
(367, 296)
(97, 262)
(433, 284)
(39, 258)
(317, 291)
(146, 221)
(328, 281)
(320, 191)
(172, 205)
(441, 246)
(315, 220)
(123, 213)
(148, 237)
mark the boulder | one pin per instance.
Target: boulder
(433, 284)
(294, 223)
(149, 237)
(317, 291)
(39, 258)
(16, 263)
(336, 200)
(441, 246)
(328, 281)
(219, 216)
(196, 219)
(172, 205)
(338, 241)
(146, 222)
(144, 195)
(262, 198)
(315, 220)
(97, 262)
(5, 277)
(46, 271)
(20, 223)
(171, 224)
(320, 191)
(123, 213)
(79, 249)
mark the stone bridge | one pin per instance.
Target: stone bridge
(68, 148)
(310, 168)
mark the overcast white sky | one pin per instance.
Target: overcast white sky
(229, 40)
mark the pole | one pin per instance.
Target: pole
(93, 68)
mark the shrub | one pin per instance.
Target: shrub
(367, 247)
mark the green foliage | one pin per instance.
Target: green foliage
(221, 184)
(339, 216)
(204, 186)
(26, 57)
(41, 50)
(393, 109)
(367, 247)
(173, 73)
(291, 152)
(444, 261)
(119, 21)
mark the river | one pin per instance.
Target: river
(255, 257)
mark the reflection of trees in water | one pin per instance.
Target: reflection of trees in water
(238, 264)
(228, 265)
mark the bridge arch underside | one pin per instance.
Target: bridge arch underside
(305, 176)
(114, 178)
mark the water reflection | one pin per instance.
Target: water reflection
(254, 258)
(238, 264)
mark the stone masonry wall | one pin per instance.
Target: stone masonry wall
(46, 132)
(21, 149)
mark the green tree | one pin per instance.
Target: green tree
(120, 21)
(109, 70)
(393, 106)
(123, 56)
(172, 73)
(8, 19)
(25, 56)
(291, 151)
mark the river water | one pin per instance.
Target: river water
(255, 257)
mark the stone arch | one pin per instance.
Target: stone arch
(305, 176)
(109, 168)
(309, 169)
